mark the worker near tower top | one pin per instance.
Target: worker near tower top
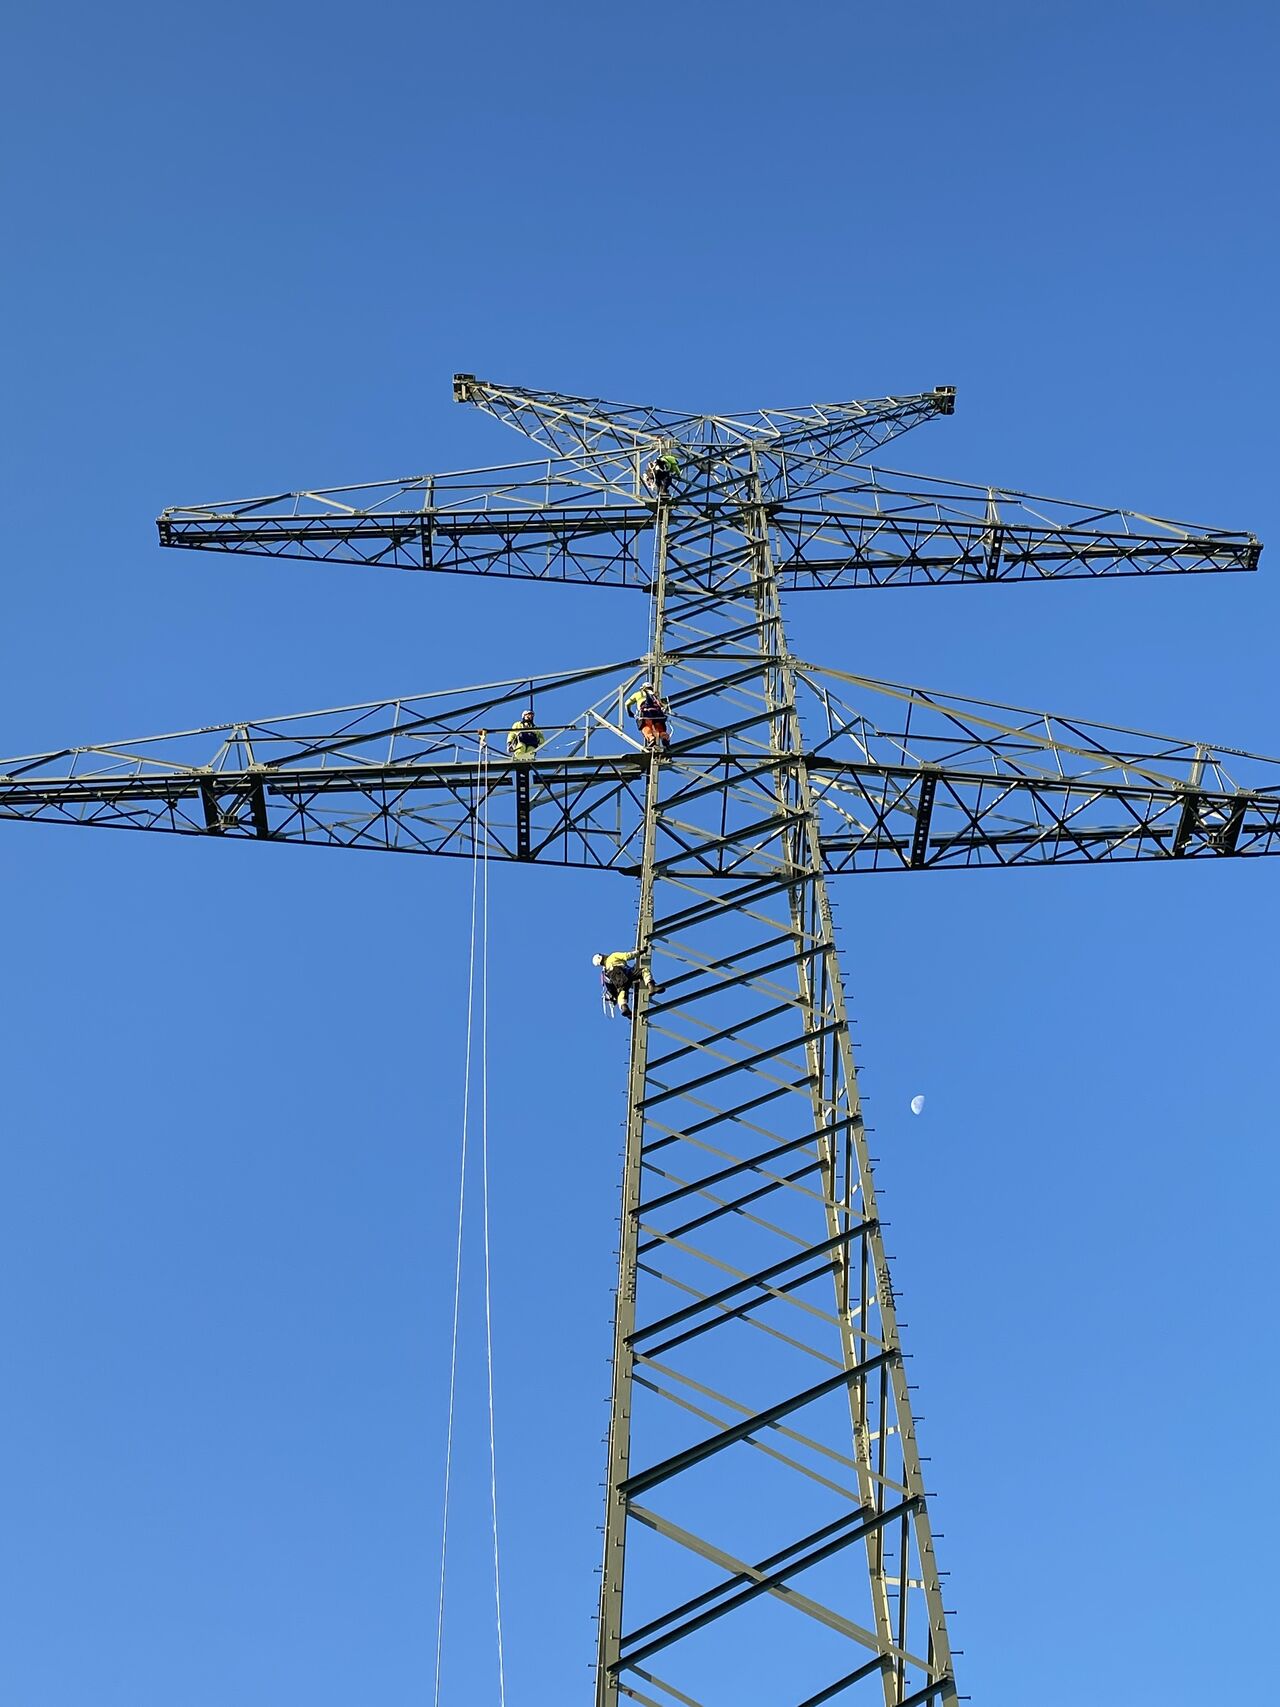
(525, 739)
(650, 713)
(660, 474)
(620, 972)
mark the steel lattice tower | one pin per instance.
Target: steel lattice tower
(767, 1533)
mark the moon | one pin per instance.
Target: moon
(917, 1105)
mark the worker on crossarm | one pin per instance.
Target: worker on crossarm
(525, 739)
(650, 713)
(620, 972)
(660, 474)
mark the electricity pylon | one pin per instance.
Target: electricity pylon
(767, 1534)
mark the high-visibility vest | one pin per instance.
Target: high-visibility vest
(524, 735)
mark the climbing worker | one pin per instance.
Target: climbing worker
(525, 738)
(650, 713)
(620, 972)
(660, 474)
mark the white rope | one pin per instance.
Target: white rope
(488, 1289)
(480, 916)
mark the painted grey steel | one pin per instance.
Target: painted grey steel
(767, 1534)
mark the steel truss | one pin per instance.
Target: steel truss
(761, 1438)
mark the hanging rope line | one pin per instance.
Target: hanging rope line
(484, 1198)
(477, 957)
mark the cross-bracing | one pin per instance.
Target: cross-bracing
(767, 1534)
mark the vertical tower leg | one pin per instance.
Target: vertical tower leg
(761, 1434)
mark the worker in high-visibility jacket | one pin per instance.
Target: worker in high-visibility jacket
(660, 474)
(650, 713)
(620, 972)
(525, 739)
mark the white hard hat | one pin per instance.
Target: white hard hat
(597, 959)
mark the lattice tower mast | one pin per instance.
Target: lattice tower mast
(761, 1440)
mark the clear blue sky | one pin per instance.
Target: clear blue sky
(246, 249)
